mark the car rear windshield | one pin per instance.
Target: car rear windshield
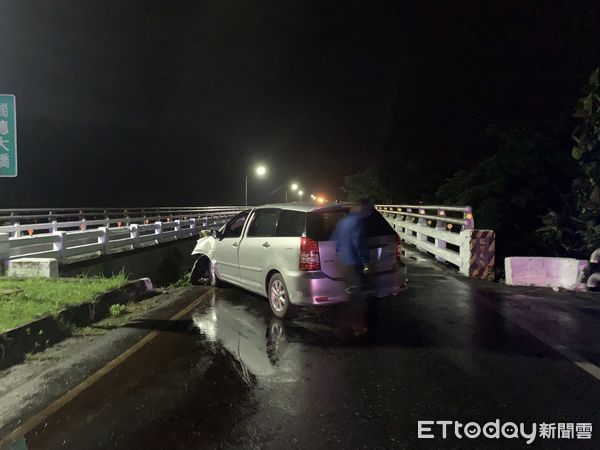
(376, 225)
(320, 225)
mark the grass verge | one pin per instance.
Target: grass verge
(23, 300)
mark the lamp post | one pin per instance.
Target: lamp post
(293, 187)
(300, 193)
(260, 172)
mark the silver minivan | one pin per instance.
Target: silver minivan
(285, 253)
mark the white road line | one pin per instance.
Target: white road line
(568, 354)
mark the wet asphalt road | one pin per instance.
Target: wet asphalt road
(229, 375)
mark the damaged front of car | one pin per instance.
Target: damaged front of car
(204, 251)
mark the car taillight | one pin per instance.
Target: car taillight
(398, 247)
(309, 255)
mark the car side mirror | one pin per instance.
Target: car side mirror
(216, 234)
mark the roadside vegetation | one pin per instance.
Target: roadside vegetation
(23, 300)
(538, 191)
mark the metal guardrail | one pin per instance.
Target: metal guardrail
(72, 235)
(447, 232)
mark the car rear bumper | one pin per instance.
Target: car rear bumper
(316, 288)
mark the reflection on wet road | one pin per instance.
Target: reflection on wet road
(230, 375)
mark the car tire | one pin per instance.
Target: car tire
(200, 273)
(215, 281)
(279, 299)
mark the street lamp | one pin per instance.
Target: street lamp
(260, 171)
(301, 193)
(293, 187)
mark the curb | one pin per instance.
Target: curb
(42, 333)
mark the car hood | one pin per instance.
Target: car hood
(204, 246)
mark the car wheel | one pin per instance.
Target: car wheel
(214, 278)
(200, 273)
(279, 298)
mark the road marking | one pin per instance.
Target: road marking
(562, 350)
(57, 404)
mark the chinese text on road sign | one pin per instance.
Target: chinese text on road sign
(8, 136)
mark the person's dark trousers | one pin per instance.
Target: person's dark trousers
(354, 282)
(353, 314)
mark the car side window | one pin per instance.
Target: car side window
(291, 223)
(264, 222)
(233, 229)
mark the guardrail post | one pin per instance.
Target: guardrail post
(440, 243)
(158, 231)
(193, 229)
(17, 225)
(82, 224)
(54, 223)
(59, 245)
(177, 223)
(422, 222)
(134, 234)
(478, 253)
(406, 219)
(4, 251)
(103, 239)
(469, 219)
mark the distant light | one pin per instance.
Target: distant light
(313, 196)
(300, 193)
(294, 187)
(320, 199)
(261, 170)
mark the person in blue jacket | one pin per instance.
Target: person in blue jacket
(351, 248)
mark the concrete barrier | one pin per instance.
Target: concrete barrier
(33, 267)
(566, 273)
(4, 251)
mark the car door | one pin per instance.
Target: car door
(226, 249)
(256, 249)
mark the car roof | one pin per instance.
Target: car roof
(307, 207)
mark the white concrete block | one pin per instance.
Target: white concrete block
(4, 250)
(566, 273)
(33, 267)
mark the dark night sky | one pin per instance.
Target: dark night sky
(170, 103)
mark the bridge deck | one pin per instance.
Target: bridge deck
(213, 375)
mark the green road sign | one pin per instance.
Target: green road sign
(8, 136)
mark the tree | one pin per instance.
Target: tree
(587, 152)
(366, 184)
(397, 180)
(575, 228)
(511, 190)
